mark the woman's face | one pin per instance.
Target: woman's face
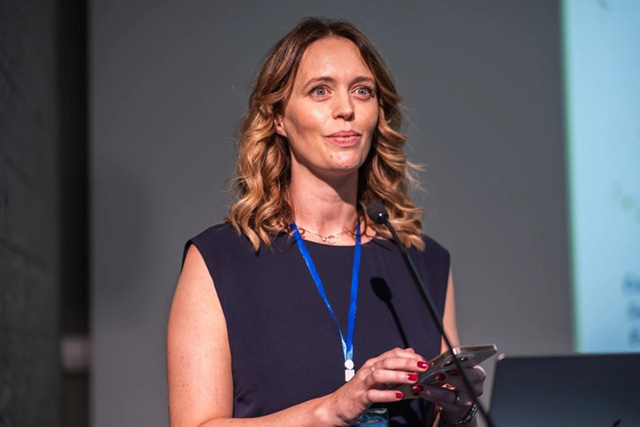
(332, 111)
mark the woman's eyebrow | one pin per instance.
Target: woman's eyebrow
(365, 79)
(316, 80)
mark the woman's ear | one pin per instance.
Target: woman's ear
(277, 122)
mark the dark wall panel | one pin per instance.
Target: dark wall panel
(29, 216)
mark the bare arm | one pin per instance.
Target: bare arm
(198, 357)
(199, 366)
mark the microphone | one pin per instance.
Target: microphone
(378, 214)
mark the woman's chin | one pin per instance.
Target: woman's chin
(345, 167)
(347, 164)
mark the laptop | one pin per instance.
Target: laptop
(567, 391)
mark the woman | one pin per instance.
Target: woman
(297, 310)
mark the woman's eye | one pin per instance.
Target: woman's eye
(365, 92)
(319, 91)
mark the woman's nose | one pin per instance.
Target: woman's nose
(343, 108)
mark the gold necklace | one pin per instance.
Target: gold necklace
(330, 239)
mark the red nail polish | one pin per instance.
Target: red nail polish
(412, 377)
(399, 395)
(454, 372)
(423, 365)
(440, 376)
(417, 389)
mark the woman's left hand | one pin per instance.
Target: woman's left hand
(450, 393)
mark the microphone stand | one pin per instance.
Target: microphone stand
(379, 215)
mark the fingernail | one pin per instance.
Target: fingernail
(440, 376)
(399, 395)
(417, 389)
(454, 372)
(423, 365)
(412, 377)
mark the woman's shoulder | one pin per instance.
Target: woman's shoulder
(219, 233)
(434, 254)
(218, 240)
(433, 246)
(223, 235)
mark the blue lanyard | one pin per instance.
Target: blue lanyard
(347, 346)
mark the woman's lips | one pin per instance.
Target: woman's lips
(345, 138)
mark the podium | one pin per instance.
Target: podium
(567, 391)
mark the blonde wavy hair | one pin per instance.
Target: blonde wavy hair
(263, 171)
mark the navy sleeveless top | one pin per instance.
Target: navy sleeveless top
(285, 348)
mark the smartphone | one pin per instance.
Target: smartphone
(468, 356)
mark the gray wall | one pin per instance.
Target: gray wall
(169, 82)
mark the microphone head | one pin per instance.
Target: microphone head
(378, 213)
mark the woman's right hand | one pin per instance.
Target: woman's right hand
(370, 384)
